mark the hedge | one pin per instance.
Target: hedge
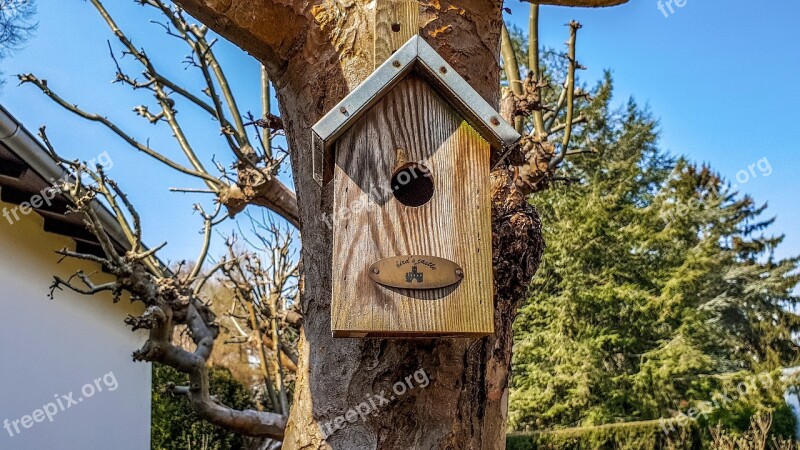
(175, 426)
(647, 435)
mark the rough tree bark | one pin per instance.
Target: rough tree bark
(315, 52)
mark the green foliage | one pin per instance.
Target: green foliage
(760, 435)
(784, 422)
(653, 435)
(743, 397)
(629, 436)
(737, 418)
(175, 426)
(657, 286)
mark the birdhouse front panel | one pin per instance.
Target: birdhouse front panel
(411, 220)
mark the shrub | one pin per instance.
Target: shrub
(175, 426)
(627, 436)
(784, 422)
(765, 395)
(759, 436)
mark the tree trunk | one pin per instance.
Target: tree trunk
(315, 54)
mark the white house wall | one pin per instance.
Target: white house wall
(51, 348)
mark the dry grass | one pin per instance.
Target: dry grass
(756, 438)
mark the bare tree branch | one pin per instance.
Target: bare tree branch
(573, 65)
(42, 85)
(511, 69)
(536, 159)
(169, 299)
(534, 62)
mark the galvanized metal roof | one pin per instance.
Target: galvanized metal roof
(416, 55)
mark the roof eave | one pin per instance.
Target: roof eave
(22, 143)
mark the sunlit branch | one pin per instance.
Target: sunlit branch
(568, 122)
(42, 85)
(265, 112)
(540, 131)
(511, 69)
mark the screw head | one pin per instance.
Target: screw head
(343, 110)
(376, 271)
(443, 69)
(494, 121)
(459, 273)
(396, 63)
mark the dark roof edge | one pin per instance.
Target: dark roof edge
(14, 135)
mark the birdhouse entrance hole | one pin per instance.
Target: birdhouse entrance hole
(412, 184)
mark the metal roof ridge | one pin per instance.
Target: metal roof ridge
(415, 55)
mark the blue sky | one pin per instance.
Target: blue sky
(720, 76)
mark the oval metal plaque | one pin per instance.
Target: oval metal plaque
(416, 272)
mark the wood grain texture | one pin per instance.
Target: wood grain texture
(396, 21)
(370, 224)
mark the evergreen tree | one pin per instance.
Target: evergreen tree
(657, 285)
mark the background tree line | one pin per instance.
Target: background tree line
(659, 287)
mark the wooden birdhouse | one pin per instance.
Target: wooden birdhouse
(408, 154)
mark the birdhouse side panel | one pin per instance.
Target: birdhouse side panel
(414, 124)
